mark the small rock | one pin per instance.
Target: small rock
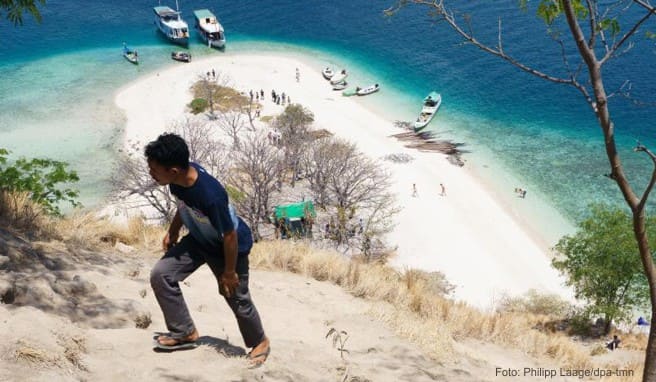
(123, 248)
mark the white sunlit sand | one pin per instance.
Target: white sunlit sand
(466, 234)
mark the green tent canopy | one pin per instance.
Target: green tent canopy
(295, 210)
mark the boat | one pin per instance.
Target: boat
(367, 90)
(172, 26)
(130, 54)
(209, 28)
(349, 92)
(431, 104)
(181, 56)
(327, 73)
(337, 78)
(340, 85)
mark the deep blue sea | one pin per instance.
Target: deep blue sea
(58, 80)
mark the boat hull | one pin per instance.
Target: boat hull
(182, 57)
(209, 28)
(428, 110)
(131, 59)
(212, 43)
(179, 36)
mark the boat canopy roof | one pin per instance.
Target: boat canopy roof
(204, 14)
(164, 11)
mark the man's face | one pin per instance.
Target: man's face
(161, 174)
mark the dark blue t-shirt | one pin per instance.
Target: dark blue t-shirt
(207, 213)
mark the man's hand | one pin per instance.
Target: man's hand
(169, 240)
(228, 283)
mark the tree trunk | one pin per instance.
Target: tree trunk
(617, 174)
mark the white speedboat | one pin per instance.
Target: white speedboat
(339, 77)
(431, 104)
(328, 73)
(209, 28)
(172, 26)
(368, 90)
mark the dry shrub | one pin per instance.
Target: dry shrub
(34, 355)
(417, 308)
(20, 213)
(143, 320)
(535, 303)
(88, 230)
(598, 350)
(633, 341)
(74, 348)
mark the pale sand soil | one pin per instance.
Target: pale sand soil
(69, 315)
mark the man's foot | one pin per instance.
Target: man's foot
(169, 341)
(259, 354)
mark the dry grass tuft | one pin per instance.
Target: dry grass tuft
(74, 348)
(87, 230)
(20, 213)
(633, 341)
(143, 320)
(418, 309)
(535, 303)
(32, 354)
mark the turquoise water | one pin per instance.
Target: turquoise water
(58, 84)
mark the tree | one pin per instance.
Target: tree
(232, 124)
(133, 177)
(346, 181)
(602, 264)
(14, 9)
(40, 179)
(255, 174)
(294, 125)
(603, 39)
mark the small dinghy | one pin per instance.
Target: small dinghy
(339, 77)
(340, 85)
(181, 56)
(327, 73)
(130, 55)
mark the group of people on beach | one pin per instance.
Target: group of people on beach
(520, 192)
(277, 98)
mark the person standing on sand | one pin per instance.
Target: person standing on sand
(414, 190)
(217, 236)
(443, 190)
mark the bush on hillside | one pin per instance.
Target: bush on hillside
(40, 180)
(198, 105)
(535, 303)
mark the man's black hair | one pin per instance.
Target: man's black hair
(169, 150)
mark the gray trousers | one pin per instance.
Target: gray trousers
(181, 261)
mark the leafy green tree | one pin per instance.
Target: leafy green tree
(597, 32)
(601, 262)
(14, 9)
(294, 124)
(41, 179)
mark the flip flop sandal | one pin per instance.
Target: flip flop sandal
(180, 345)
(252, 358)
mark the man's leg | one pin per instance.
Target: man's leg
(241, 303)
(179, 262)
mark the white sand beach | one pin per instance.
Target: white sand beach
(466, 234)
